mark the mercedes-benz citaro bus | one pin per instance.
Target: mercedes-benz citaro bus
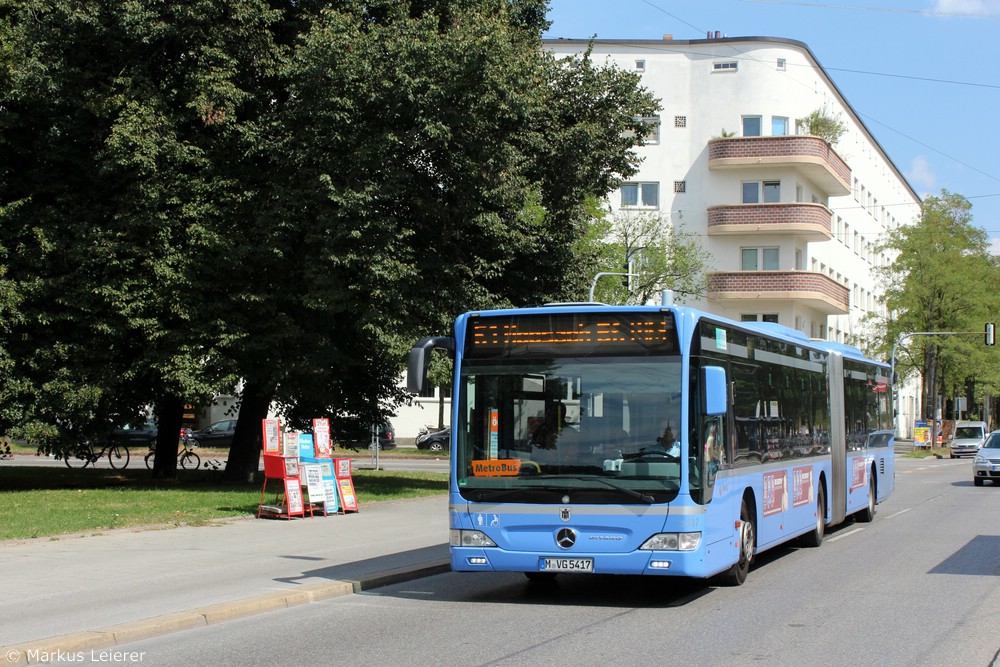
(652, 440)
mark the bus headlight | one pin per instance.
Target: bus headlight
(672, 542)
(469, 538)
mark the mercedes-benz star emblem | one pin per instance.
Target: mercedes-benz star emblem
(566, 538)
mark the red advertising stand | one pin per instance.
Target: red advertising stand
(282, 466)
(345, 485)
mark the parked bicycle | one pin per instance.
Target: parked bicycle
(84, 454)
(186, 456)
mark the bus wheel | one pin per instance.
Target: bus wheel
(737, 574)
(815, 537)
(867, 515)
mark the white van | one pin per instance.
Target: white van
(967, 438)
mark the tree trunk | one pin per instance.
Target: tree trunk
(169, 417)
(244, 453)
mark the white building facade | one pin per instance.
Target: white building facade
(790, 221)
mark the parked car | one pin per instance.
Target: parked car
(219, 434)
(987, 463)
(362, 438)
(968, 438)
(438, 441)
(136, 435)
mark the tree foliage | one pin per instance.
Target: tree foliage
(943, 279)
(823, 124)
(661, 257)
(279, 197)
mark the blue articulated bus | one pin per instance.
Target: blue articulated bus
(653, 440)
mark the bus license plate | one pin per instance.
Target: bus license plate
(566, 565)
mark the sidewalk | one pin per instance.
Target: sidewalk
(81, 592)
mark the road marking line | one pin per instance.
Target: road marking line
(899, 512)
(834, 539)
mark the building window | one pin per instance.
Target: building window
(640, 65)
(751, 126)
(781, 64)
(759, 259)
(728, 66)
(754, 317)
(779, 126)
(680, 121)
(680, 187)
(640, 195)
(752, 192)
(654, 129)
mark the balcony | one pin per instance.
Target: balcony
(810, 155)
(814, 289)
(811, 222)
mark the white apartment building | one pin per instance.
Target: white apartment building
(790, 221)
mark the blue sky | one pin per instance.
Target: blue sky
(920, 74)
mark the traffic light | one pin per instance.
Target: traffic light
(990, 333)
(627, 278)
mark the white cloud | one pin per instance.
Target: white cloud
(995, 246)
(968, 7)
(920, 175)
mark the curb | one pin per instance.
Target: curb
(93, 642)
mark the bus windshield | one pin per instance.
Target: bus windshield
(590, 429)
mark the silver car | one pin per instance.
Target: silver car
(987, 463)
(967, 438)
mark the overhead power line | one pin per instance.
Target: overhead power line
(890, 10)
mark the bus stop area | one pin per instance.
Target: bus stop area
(95, 591)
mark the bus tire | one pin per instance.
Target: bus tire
(814, 538)
(867, 515)
(737, 574)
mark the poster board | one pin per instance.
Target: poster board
(345, 485)
(348, 499)
(321, 438)
(293, 498)
(329, 486)
(271, 436)
(306, 449)
(290, 444)
(312, 476)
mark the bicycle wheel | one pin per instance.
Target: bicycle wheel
(77, 457)
(149, 459)
(190, 460)
(118, 456)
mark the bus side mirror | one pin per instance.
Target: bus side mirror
(713, 390)
(420, 358)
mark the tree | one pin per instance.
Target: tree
(942, 279)
(821, 124)
(427, 167)
(279, 194)
(661, 257)
(118, 123)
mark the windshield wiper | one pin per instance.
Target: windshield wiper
(644, 497)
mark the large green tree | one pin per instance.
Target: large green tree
(280, 194)
(119, 128)
(943, 279)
